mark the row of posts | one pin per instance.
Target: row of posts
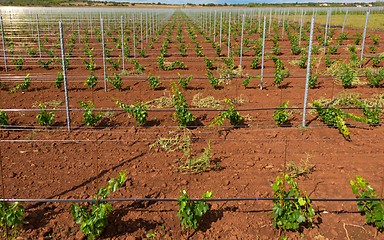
(214, 34)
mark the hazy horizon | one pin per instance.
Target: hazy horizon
(237, 1)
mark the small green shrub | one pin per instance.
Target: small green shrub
(214, 81)
(358, 38)
(303, 61)
(190, 212)
(229, 62)
(138, 67)
(281, 115)
(296, 49)
(45, 118)
(372, 49)
(376, 60)
(332, 116)
(209, 63)
(313, 78)
(375, 39)
(138, 111)
(246, 81)
(182, 114)
(11, 217)
(373, 210)
(328, 60)
(375, 77)
(45, 64)
(218, 50)
(114, 64)
(184, 81)
(91, 81)
(153, 81)
(93, 218)
(333, 49)
(22, 86)
(18, 62)
(3, 118)
(290, 215)
(90, 119)
(231, 114)
(143, 52)
(116, 81)
(279, 76)
(256, 61)
(59, 80)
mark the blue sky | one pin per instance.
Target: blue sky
(238, 1)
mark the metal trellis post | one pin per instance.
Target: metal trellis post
(262, 54)
(308, 73)
(65, 77)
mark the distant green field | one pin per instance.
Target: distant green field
(375, 21)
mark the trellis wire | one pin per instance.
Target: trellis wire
(170, 110)
(65, 77)
(308, 73)
(56, 200)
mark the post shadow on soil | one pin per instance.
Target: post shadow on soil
(102, 173)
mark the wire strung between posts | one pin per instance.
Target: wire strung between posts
(176, 200)
(168, 110)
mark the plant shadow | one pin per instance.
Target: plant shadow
(122, 227)
(209, 218)
(285, 86)
(194, 88)
(160, 89)
(195, 124)
(39, 89)
(40, 217)
(152, 123)
(107, 122)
